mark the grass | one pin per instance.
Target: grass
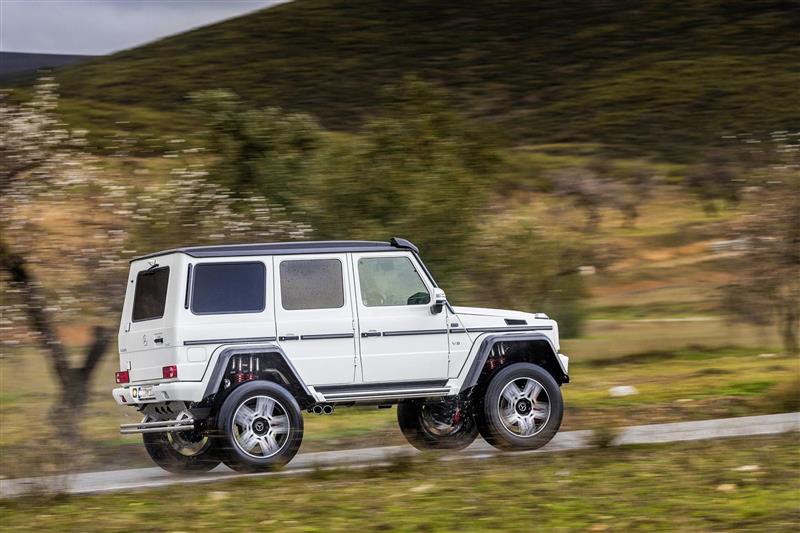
(744, 484)
(656, 78)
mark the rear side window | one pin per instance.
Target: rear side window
(312, 284)
(220, 288)
(150, 296)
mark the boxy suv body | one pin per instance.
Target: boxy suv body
(222, 348)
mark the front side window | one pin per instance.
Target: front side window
(312, 284)
(150, 296)
(220, 288)
(390, 281)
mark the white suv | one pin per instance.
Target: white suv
(222, 347)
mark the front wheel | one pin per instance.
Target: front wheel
(261, 427)
(183, 452)
(522, 408)
(445, 424)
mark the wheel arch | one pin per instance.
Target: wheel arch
(275, 366)
(536, 348)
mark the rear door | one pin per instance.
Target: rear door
(314, 315)
(400, 338)
(147, 332)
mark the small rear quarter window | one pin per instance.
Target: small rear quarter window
(150, 296)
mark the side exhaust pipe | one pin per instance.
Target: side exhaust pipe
(321, 409)
(317, 409)
(327, 409)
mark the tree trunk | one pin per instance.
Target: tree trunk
(790, 328)
(74, 382)
(75, 391)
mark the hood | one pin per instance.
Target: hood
(478, 320)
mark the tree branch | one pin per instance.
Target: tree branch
(39, 320)
(95, 352)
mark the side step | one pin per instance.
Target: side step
(384, 391)
(386, 395)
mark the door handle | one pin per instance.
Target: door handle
(371, 334)
(289, 338)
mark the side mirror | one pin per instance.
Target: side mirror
(439, 301)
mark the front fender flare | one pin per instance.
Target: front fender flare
(489, 342)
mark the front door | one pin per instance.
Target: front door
(400, 338)
(314, 315)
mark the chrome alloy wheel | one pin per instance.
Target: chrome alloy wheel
(524, 407)
(260, 427)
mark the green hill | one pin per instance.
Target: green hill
(667, 77)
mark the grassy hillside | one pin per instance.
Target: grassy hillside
(666, 77)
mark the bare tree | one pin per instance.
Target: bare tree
(721, 175)
(767, 288)
(67, 228)
(43, 166)
(591, 189)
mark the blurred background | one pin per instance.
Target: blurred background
(629, 168)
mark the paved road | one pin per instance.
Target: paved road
(140, 478)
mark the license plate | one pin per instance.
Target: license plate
(145, 392)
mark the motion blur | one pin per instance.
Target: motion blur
(632, 170)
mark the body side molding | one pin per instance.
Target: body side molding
(229, 341)
(414, 332)
(322, 336)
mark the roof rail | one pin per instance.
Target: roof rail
(398, 242)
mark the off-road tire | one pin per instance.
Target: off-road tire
(415, 424)
(161, 450)
(496, 430)
(232, 434)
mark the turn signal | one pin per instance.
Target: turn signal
(169, 372)
(122, 377)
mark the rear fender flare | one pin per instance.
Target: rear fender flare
(280, 362)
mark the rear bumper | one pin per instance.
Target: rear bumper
(187, 391)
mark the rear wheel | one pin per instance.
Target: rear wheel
(262, 427)
(182, 452)
(444, 424)
(522, 408)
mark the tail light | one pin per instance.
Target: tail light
(122, 377)
(169, 372)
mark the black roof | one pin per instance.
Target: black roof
(287, 248)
